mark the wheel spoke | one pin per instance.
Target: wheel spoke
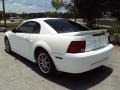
(44, 63)
(42, 66)
(41, 63)
(46, 69)
(48, 62)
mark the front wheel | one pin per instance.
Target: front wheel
(45, 63)
(7, 45)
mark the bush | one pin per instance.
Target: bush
(12, 25)
(115, 38)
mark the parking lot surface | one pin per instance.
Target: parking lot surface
(17, 73)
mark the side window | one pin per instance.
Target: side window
(37, 28)
(29, 27)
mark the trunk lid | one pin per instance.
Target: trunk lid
(95, 39)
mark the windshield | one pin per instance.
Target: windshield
(64, 26)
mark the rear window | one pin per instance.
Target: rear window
(64, 26)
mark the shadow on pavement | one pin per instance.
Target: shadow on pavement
(72, 81)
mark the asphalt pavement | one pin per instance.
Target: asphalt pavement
(17, 73)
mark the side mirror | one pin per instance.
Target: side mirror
(14, 31)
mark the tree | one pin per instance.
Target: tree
(89, 10)
(70, 6)
(115, 8)
(115, 12)
(57, 4)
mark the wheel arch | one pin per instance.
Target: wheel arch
(36, 52)
(5, 37)
(41, 46)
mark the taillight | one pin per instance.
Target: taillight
(77, 47)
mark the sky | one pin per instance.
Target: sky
(28, 6)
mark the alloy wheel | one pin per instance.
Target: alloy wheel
(44, 63)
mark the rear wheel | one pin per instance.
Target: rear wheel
(45, 63)
(7, 45)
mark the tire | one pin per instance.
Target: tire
(45, 63)
(7, 46)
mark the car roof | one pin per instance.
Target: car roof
(41, 19)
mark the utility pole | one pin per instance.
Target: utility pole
(4, 17)
(74, 12)
(46, 10)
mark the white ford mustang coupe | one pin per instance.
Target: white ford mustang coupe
(59, 45)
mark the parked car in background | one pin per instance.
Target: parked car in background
(14, 19)
(59, 45)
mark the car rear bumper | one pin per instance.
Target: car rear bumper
(82, 62)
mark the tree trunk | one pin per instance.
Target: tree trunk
(91, 23)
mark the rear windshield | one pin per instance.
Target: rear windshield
(64, 26)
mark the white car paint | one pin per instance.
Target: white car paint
(96, 53)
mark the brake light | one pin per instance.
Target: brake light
(77, 47)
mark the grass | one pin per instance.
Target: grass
(106, 22)
(13, 25)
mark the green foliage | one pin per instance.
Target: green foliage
(89, 10)
(115, 8)
(57, 4)
(69, 6)
(12, 25)
(116, 37)
(0, 16)
(106, 22)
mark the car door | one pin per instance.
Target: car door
(23, 38)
